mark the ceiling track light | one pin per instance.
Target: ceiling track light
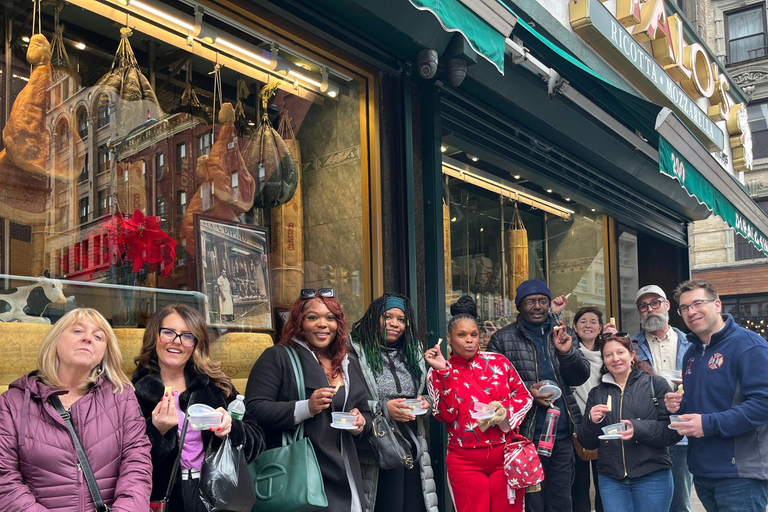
(201, 31)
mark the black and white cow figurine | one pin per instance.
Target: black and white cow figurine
(27, 303)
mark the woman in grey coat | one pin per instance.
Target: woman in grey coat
(393, 367)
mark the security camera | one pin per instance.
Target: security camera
(426, 61)
(457, 71)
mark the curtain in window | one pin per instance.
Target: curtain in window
(746, 35)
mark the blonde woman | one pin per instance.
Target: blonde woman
(79, 361)
(175, 355)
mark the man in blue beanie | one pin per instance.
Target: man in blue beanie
(541, 348)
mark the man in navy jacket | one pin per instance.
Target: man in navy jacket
(724, 404)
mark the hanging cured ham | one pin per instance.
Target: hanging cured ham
(227, 188)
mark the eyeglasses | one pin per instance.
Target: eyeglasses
(695, 305)
(308, 293)
(169, 336)
(645, 306)
(610, 335)
(532, 302)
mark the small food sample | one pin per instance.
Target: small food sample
(608, 402)
(680, 389)
(613, 431)
(613, 320)
(439, 341)
(337, 387)
(343, 420)
(557, 328)
(168, 390)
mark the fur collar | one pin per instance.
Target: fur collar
(149, 386)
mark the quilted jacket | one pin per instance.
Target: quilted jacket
(39, 471)
(571, 369)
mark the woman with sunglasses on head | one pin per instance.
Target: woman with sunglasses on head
(174, 371)
(317, 330)
(634, 466)
(384, 341)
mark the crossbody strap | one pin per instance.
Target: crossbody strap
(85, 466)
(653, 393)
(399, 428)
(177, 462)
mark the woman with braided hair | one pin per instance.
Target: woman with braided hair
(384, 341)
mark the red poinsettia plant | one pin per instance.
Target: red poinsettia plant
(139, 240)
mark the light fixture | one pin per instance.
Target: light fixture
(25, 39)
(481, 229)
(124, 3)
(304, 78)
(304, 66)
(516, 176)
(275, 63)
(443, 148)
(80, 46)
(327, 87)
(492, 184)
(453, 219)
(201, 31)
(568, 199)
(162, 15)
(592, 209)
(243, 51)
(473, 158)
(549, 190)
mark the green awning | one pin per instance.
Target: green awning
(456, 17)
(635, 112)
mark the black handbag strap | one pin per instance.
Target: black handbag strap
(85, 466)
(177, 462)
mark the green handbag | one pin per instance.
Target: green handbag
(288, 478)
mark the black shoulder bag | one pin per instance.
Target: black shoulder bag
(162, 505)
(81, 458)
(390, 447)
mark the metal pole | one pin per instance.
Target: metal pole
(546, 247)
(7, 111)
(504, 283)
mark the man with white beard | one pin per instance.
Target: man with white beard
(663, 347)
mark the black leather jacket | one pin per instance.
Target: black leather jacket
(571, 369)
(647, 451)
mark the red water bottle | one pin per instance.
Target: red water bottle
(549, 432)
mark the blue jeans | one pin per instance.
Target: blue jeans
(732, 494)
(682, 478)
(649, 493)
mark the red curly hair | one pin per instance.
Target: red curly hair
(293, 329)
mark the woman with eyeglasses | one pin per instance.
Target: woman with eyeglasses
(633, 465)
(317, 330)
(174, 371)
(384, 341)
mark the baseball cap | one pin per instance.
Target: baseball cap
(651, 288)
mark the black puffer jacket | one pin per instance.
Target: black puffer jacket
(647, 451)
(571, 368)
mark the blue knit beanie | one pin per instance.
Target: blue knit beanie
(531, 287)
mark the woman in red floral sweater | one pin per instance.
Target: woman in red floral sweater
(477, 474)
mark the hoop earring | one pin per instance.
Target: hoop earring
(632, 364)
(605, 368)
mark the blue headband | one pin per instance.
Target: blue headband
(395, 302)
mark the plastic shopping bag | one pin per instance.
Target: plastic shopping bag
(225, 484)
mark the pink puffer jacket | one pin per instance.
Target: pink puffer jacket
(38, 463)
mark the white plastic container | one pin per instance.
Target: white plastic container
(203, 417)
(416, 404)
(343, 420)
(614, 429)
(482, 411)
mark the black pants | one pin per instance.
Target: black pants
(555, 494)
(580, 489)
(190, 491)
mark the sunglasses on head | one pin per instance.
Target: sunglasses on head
(308, 293)
(610, 335)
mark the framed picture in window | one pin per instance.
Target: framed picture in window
(233, 273)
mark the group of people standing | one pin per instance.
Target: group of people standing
(131, 430)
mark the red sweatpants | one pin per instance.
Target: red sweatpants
(477, 480)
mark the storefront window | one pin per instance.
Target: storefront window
(267, 146)
(494, 242)
(749, 312)
(628, 277)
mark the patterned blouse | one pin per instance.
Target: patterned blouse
(485, 378)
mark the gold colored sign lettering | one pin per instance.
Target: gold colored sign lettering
(628, 12)
(720, 109)
(701, 84)
(654, 27)
(677, 70)
(741, 138)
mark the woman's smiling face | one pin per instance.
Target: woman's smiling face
(617, 358)
(588, 326)
(319, 325)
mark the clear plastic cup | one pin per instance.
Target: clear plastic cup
(675, 418)
(203, 417)
(482, 411)
(551, 386)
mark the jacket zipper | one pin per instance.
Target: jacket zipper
(621, 407)
(532, 425)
